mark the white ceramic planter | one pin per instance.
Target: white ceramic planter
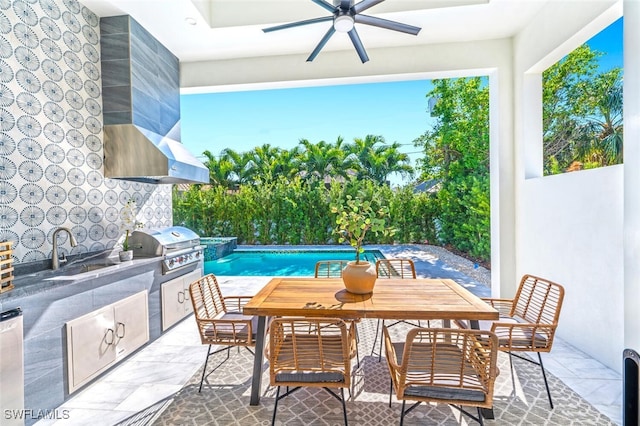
(126, 255)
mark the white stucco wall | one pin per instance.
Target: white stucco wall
(569, 227)
(571, 233)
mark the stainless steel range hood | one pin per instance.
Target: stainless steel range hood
(137, 154)
(141, 108)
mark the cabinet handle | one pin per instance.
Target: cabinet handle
(123, 330)
(181, 295)
(109, 334)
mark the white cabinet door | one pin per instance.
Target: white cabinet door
(176, 303)
(99, 339)
(90, 346)
(188, 279)
(131, 323)
(173, 300)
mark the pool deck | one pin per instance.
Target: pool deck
(139, 386)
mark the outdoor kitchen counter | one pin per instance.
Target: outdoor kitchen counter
(50, 299)
(73, 274)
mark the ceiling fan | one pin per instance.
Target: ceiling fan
(344, 15)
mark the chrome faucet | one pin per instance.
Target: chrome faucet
(55, 262)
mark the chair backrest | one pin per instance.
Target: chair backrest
(395, 268)
(450, 364)
(330, 268)
(538, 301)
(216, 324)
(309, 352)
(206, 298)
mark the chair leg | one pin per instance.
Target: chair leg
(513, 375)
(275, 406)
(206, 361)
(544, 375)
(408, 410)
(468, 414)
(338, 397)
(546, 385)
(480, 417)
(204, 369)
(344, 406)
(390, 391)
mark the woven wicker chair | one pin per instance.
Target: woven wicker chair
(330, 268)
(314, 352)
(393, 268)
(220, 320)
(443, 365)
(527, 322)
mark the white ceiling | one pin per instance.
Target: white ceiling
(231, 29)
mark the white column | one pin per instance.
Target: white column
(503, 199)
(632, 174)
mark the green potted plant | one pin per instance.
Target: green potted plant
(354, 220)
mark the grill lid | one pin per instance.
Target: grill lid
(157, 242)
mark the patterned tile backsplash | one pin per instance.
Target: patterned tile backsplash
(51, 144)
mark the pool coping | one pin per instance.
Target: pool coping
(344, 248)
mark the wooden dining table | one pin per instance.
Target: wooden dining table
(414, 299)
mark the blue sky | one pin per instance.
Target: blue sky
(281, 117)
(610, 41)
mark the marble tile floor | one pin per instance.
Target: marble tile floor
(134, 392)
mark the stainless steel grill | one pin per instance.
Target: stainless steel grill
(177, 245)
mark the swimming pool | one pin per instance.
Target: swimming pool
(279, 263)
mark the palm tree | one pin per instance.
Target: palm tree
(288, 163)
(241, 173)
(609, 126)
(220, 171)
(376, 160)
(387, 160)
(322, 159)
(266, 163)
(599, 137)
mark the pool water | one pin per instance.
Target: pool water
(287, 263)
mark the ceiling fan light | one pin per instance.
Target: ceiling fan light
(343, 23)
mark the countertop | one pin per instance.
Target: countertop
(93, 269)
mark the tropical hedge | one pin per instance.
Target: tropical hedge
(296, 211)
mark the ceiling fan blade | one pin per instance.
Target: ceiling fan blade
(365, 4)
(320, 45)
(322, 3)
(355, 39)
(387, 24)
(298, 24)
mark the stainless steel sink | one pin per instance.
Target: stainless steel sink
(82, 268)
